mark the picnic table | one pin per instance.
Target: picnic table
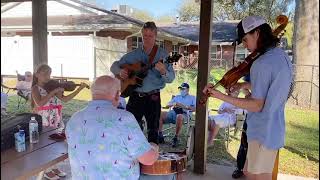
(37, 157)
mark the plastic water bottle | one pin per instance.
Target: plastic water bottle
(20, 141)
(33, 130)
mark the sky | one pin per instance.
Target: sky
(156, 8)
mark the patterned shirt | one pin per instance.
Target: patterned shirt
(51, 112)
(104, 143)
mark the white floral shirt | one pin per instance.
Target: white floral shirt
(104, 143)
(50, 112)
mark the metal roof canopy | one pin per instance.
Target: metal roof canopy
(40, 56)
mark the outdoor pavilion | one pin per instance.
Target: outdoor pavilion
(40, 56)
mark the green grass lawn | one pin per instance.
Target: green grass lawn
(300, 156)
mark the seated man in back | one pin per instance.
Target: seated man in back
(25, 86)
(226, 116)
(105, 142)
(183, 105)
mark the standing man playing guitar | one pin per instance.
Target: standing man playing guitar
(145, 100)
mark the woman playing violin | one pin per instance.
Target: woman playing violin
(271, 76)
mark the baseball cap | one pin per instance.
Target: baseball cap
(184, 86)
(248, 24)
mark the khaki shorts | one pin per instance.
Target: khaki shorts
(259, 159)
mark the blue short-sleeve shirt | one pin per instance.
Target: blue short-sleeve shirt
(188, 100)
(271, 77)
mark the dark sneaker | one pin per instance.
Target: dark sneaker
(161, 138)
(237, 174)
(175, 142)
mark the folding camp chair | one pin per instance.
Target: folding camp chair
(21, 96)
(172, 126)
(20, 77)
(225, 132)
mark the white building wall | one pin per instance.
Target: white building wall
(16, 54)
(106, 51)
(69, 56)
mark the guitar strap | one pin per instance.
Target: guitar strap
(153, 54)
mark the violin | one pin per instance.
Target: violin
(235, 73)
(66, 85)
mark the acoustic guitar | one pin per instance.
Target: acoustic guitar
(138, 71)
(173, 162)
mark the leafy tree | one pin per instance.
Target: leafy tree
(189, 11)
(306, 52)
(165, 19)
(237, 9)
(142, 15)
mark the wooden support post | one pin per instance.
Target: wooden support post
(39, 32)
(203, 71)
(275, 168)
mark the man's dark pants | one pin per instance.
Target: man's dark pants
(242, 153)
(149, 106)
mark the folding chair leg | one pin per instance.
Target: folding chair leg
(228, 136)
(19, 101)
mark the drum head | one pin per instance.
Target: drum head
(190, 143)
